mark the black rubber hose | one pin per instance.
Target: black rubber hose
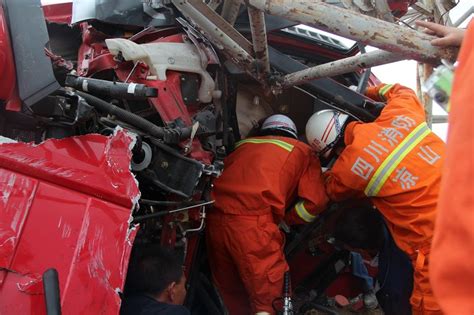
(51, 292)
(129, 91)
(169, 135)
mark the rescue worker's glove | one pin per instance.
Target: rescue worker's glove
(374, 108)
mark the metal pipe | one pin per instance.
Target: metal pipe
(383, 10)
(230, 10)
(443, 14)
(439, 119)
(368, 30)
(464, 16)
(420, 7)
(424, 71)
(163, 202)
(144, 217)
(201, 225)
(287, 305)
(259, 39)
(219, 36)
(338, 67)
(167, 134)
(364, 78)
(213, 4)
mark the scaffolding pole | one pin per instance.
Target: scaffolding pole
(342, 66)
(464, 17)
(423, 73)
(223, 35)
(259, 39)
(367, 30)
(230, 10)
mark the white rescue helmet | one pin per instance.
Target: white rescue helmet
(323, 129)
(280, 122)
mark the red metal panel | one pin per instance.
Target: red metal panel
(46, 222)
(93, 57)
(92, 164)
(58, 13)
(17, 195)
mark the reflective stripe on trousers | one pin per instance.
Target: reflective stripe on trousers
(395, 158)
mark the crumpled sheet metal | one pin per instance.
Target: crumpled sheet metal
(49, 219)
(92, 164)
(121, 12)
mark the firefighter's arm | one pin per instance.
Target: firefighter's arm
(312, 195)
(337, 191)
(395, 95)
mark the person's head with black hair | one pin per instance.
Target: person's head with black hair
(360, 227)
(158, 273)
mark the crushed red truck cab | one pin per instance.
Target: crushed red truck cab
(66, 204)
(116, 116)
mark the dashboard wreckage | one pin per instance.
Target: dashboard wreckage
(116, 115)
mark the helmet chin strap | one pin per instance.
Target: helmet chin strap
(288, 131)
(339, 130)
(329, 146)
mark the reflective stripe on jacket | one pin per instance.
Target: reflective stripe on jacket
(396, 160)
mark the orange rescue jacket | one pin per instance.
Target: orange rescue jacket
(266, 175)
(396, 161)
(451, 270)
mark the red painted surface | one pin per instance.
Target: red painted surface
(8, 91)
(303, 264)
(94, 57)
(399, 7)
(50, 220)
(91, 164)
(60, 13)
(66, 203)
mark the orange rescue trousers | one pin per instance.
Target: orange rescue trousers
(247, 261)
(422, 299)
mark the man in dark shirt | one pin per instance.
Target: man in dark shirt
(156, 285)
(361, 229)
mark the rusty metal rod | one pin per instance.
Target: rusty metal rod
(222, 24)
(441, 11)
(230, 10)
(338, 67)
(365, 29)
(219, 37)
(259, 39)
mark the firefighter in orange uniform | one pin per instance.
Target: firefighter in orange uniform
(396, 161)
(263, 177)
(452, 272)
